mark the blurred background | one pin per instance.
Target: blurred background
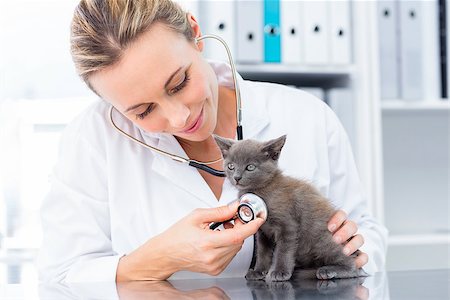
(380, 65)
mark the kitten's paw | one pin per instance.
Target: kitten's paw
(324, 285)
(278, 276)
(325, 273)
(280, 286)
(255, 275)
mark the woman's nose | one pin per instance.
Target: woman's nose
(177, 114)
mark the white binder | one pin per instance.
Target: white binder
(217, 17)
(387, 18)
(292, 32)
(249, 31)
(419, 50)
(340, 32)
(315, 22)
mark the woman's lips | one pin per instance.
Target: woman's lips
(196, 124)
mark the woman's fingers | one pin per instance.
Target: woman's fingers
(238, 223)
(237, 234)
(337, 220)
(219, 258)
(353, 244)
(216, 214)
(347, 230)
(361, 259)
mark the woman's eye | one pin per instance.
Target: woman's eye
(230, 166)
(146, 112)
(173, 91)
(250, 167)
(181, 85)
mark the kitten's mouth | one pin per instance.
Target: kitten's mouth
(238, 184)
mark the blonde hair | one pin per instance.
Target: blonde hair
(102, 29)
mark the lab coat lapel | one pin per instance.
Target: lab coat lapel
(180, 174)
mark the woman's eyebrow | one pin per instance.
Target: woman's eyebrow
(165, 86)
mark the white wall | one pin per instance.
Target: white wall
(35, 60)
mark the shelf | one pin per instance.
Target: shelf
(420, 255)
(419, 239)
(404, 105)
(299, 75)
(18, 255)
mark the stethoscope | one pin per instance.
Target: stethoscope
(191, 162)
(250, 206)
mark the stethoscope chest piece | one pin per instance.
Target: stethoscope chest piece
(251, 207)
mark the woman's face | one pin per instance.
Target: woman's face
(163, 84)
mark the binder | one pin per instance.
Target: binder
(249, 35)
(341, 101)
(340, 32)
(419, 50)
(217, 17)
(387, 16)
(315, 22)
(443, 48)
(291, 32)
(447, 43)
(272, 39)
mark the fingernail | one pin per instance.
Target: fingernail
(332, 227)
(337, 239)
(346, 251)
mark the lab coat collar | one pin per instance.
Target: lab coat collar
(254, 119)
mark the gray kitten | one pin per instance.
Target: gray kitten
(295, 234)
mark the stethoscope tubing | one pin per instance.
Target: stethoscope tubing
(191, 162)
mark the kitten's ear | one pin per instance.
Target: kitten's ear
(224, 144)
(273, 147)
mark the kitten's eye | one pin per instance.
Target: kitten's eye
(230, 166)
(250, 168)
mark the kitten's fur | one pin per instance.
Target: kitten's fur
(295, 234)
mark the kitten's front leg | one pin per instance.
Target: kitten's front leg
(263, 258)
(283, 263)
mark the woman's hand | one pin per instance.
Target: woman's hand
(143, 290)
(344, 233)
(189, 245)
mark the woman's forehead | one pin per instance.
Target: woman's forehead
(145, 66)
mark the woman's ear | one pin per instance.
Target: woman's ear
(196, 31)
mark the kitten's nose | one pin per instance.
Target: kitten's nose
(237, 178)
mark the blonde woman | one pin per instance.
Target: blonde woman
(118, 211)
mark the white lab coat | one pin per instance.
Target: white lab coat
(110, 195)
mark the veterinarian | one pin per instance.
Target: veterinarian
(119, 211)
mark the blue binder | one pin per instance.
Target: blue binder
(272, 39)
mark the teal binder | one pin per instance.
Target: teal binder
(272, 38)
